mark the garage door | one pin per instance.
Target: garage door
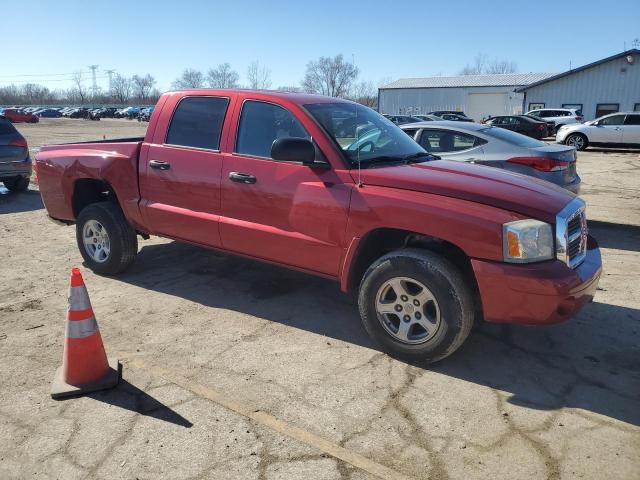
(482, 105)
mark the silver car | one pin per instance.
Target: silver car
(497, 147)
(614, 130)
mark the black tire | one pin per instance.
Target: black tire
(449, 288)
(17, 184)
(122, 238)
(577, 140)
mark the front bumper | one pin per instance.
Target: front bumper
(537, 294)
(13, 169)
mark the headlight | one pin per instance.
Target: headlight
(525, 241)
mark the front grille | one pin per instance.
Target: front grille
(571, 233)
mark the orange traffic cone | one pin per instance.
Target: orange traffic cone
(85, 366)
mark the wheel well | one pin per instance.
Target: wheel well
(87, 191)
(384, 240)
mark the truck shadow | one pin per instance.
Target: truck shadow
(19, 202)
(590, 362)
(616, 236)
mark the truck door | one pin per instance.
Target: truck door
(180, 172)
(280, 211)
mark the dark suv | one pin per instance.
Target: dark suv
(15, 163)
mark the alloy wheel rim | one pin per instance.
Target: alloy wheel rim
(576, 141)
(408, 310)
(96, 241)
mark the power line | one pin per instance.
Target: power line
(43, 74)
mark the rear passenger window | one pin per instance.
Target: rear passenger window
(197, 122)
(261, 123)
(632, 120)
(443, 141)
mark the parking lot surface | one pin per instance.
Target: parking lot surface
(236, 369)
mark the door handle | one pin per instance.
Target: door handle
(159, 165)
(240, 177)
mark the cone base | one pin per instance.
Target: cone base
(61, 389)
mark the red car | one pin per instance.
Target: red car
(16, 115)
(332, 188)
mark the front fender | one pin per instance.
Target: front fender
(473, 227)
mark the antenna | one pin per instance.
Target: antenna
(355, 130)
(110, 73)
(94, 84)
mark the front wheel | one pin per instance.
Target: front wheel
(577, 140)
(106, 240)
(416, 304)
(17, 184)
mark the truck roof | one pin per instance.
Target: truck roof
(295, 97)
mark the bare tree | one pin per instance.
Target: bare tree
(501, 66)
(142, 86)
(190, 78)
(222, 77)
(477, 67)
(78, 89)
(121, 88)
(481, 65)
(330, 76)
(259, 76)
(365, 93)
(291, 88)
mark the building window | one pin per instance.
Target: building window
(606, 108)
(536, 106)
(636, 107)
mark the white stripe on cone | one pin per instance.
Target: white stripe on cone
(82, 328)
(79, 298)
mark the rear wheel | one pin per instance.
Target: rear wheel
(577, 140)
(17, 184)
(106, 240)
(416, 304)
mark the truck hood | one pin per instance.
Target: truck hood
(481, 184)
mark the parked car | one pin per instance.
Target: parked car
(15, 162)
(560, 116)
(551, 125)
(428, 244)
(497, 147)
(524, 124)
(454, 117)
(428, 118)
(145, 114)
(613, 130)
(402, 119)
(17, 116)
(48, 113)
(79, 113)
(440, 113)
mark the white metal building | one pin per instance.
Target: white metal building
(479, 96)
(606, 86)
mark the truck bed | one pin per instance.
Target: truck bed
(114, 163)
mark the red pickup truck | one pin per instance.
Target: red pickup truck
(332, 188)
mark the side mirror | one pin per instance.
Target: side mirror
(290, 149)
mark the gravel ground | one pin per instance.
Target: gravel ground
(236, 369)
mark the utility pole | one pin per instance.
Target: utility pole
(110, 73)
(94, 84)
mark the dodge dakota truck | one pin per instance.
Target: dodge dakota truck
(428, 246)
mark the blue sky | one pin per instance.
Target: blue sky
(388, 40)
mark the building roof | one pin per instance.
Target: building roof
(633, 51)
(497, 80)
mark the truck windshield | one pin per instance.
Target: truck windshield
(365, 136)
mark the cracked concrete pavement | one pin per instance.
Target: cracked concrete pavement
(236, 369)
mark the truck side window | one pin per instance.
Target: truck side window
(197, 122)
(261, 123)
